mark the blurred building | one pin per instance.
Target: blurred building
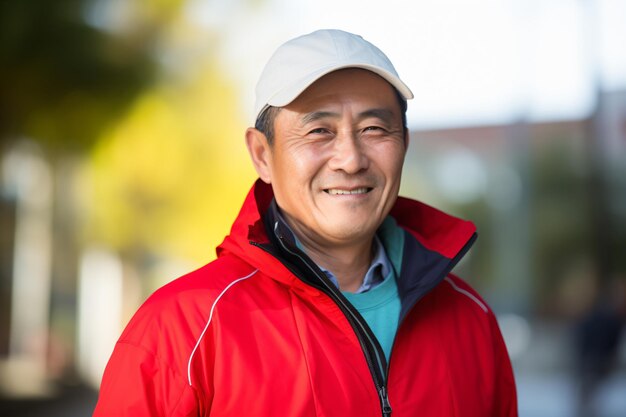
(536, 191)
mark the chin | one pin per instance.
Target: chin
(353, 233)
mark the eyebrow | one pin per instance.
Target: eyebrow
(385, 115)
(318, 115)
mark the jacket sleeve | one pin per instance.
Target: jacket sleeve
(505, 392)
(136, 383)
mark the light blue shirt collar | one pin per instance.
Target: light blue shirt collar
(377, 272)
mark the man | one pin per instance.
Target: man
(331, 296)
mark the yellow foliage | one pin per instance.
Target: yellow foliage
(170, 178)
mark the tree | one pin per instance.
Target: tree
(61, 79)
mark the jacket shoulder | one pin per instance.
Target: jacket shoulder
(203, 282)
(170, 320)
(458, 288)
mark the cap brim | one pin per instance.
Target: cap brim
(289, 94)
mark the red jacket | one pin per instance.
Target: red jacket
(252, 335)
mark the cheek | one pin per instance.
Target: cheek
(294, 173)
(303, 165)
(390, 160)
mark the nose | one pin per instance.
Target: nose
(348, 154)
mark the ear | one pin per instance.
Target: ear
(406, 140)
(260, 152)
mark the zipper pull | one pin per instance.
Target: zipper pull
(384, 402)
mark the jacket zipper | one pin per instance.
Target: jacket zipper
(374, 356)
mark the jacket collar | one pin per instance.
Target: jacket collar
(435, 230)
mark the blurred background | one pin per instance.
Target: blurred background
(122, 166)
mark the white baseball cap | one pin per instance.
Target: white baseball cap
(300, 62)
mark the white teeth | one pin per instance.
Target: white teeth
(334, 191)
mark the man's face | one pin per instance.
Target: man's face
(336, 160)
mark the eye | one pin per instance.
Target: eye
(374, 129)
(318, 131)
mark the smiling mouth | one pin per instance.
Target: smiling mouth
(338, 191)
